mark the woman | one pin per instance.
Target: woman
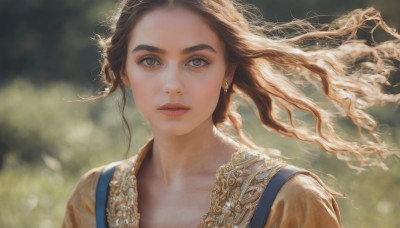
(183, 61)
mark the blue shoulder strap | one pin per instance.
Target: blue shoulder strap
(102, 193)
(267, 199)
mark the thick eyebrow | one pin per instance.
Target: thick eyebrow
(199, 47)
(143, 47)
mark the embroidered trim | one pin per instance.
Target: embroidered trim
(122, 208)
(238, 187)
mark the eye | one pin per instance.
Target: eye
(149, 62)
(197, 62)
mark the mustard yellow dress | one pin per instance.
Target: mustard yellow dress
(303, 201)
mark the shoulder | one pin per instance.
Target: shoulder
(85, 189)
(80, 211)
(250, 168)
(254, 160)
(304, 201)
(238, 187)
(87, 184)
(305, 188)
(80, 207)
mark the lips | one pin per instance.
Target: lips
(173, 109)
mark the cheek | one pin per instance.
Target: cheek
(139, 83)
(139, 91)
(208, 94)
(213, 86)
(141, 94)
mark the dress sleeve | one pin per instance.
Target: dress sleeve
(304, 202)
(80, 211)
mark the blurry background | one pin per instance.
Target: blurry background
(48, 57)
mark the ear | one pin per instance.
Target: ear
(230, 72)
(124, 78)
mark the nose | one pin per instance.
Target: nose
(173, 84)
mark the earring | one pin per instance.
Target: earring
(226, 87)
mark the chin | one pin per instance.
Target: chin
(175, 129)
(180, 128)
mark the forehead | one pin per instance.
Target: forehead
(173, 25)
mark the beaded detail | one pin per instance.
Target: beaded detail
(238, 187)
(122, 207)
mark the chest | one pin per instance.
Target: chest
(180, 203)
(227, 201)
(166, 208)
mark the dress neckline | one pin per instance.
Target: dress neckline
(238, 183)
(146, 149)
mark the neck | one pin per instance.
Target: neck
(198, 153)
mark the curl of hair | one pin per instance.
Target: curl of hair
(272, 66)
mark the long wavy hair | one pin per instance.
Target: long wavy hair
(273, 66)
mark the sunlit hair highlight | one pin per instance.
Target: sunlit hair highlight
(272, 66)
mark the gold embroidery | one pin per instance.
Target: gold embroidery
(239, 185)
(122, 208)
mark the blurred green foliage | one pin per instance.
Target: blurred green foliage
(46, 142)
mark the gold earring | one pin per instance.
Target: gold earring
(226, 87)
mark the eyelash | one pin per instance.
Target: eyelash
(143, 60)
(204, 60)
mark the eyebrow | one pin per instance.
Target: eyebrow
(143, 47)
(199, 47)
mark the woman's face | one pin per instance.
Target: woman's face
(175, 67)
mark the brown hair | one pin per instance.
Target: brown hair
(271, 65)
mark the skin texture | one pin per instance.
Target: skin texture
(174, 57)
